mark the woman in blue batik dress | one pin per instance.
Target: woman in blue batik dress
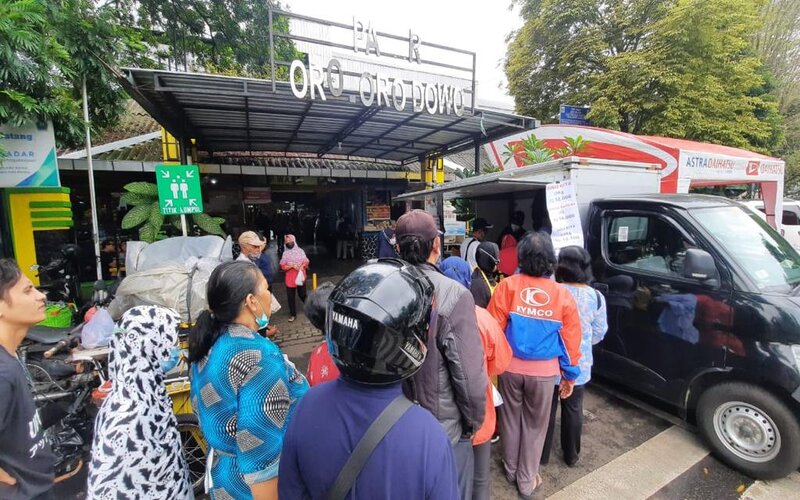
(244, 389)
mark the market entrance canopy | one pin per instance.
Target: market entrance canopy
(683, 163)
(357, 92)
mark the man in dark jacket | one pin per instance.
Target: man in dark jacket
(452, 381)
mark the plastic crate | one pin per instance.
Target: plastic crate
(58, 316)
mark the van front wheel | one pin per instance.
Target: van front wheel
(750, 429)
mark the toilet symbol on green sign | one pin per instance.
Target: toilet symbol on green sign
(179, 189)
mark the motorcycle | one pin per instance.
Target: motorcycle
(60, 279)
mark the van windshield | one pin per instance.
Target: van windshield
(764, 255)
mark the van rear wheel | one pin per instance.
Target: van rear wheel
(750, 429)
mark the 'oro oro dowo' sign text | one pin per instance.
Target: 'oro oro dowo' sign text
(375, 89)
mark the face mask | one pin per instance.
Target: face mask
(290, 245)
(263, 320)
(170, 363)
(253, 258)
(514, 227)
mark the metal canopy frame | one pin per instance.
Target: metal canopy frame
(230, 114)
(240, 114)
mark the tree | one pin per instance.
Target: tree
(46, 48)
(564, 43)
(778, 45)
(680, 68)
(218, 36)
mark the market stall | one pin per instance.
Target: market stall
(685, 164)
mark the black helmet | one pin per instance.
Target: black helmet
(377, 322)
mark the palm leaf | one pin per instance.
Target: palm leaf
(142, 188)
(136, 216)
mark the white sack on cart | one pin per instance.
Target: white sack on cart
(142, 256)
(167, 286)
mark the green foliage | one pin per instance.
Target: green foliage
(135, 199)
(778, 45)
(136, 216)
(146, 189)
(146, 214)
(46, 49)
(679, 68)
(208, 224)
(147, 233)
(218, 36)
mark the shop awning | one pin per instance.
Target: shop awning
(225, 113)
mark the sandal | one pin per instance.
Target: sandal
(537, 482)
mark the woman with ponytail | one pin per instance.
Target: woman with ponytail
(244, 390)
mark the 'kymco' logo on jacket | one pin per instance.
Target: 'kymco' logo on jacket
(534, 297)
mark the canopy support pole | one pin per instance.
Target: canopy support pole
(92, 198)
(182, 145)
(477, 158)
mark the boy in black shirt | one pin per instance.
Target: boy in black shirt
(26, 461)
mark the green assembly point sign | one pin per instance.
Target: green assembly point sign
(179, 189)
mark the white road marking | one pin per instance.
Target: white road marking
(640, 472)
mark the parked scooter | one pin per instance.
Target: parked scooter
(60, 279)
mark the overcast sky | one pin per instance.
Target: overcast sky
(446, 22)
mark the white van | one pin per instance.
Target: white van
(790, 219)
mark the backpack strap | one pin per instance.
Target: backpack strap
(363, 450)
(469, 245)
(597, 294)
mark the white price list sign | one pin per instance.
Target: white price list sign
(562, 204)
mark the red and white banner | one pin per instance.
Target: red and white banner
(689, 161)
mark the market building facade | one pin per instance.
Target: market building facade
(362, 117)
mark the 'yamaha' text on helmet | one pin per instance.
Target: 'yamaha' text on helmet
(377, 322)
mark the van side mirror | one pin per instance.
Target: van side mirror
(699, 265)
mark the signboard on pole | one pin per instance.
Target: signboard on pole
(562, 204)
(179, 189)
(28, 156)
(574, 115)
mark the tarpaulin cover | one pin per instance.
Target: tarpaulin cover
(142, 256)
(171, 273)
(180, 287)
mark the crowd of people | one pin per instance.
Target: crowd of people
(426, 362)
